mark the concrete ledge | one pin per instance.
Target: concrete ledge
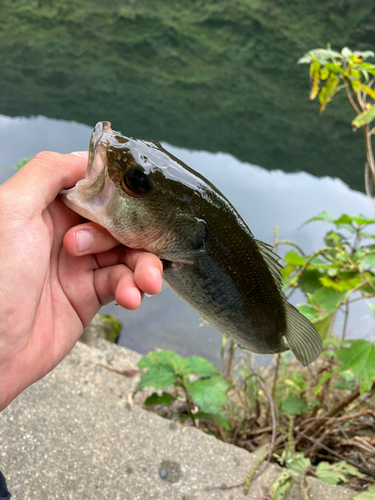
(74, 435)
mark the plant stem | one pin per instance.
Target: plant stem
(232, 348)
(343, 337)
(304, 487)
(253, 471)
(188, 409)
(276, 375)
(350, 97)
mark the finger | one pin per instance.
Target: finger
(87, 239)
(117, 282)
(147, 268)
(38, 182)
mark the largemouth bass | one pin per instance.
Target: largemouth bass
(147, 199)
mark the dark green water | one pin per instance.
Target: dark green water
(207, 75)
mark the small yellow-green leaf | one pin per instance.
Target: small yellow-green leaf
(328, 91)
(294, 258)
(324, 74)
(364, 118)
(281, 486)
(323, 379)
(322, 216)
(314, 78)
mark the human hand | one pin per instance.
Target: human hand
(56, 271)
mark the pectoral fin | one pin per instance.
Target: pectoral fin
(301, 336)
(189, 236)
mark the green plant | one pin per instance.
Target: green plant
(332, 278)
(196, 382)
(331, 71)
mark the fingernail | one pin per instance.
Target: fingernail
(83, 154)
(84, 241)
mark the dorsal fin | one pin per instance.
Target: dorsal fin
(272, 261)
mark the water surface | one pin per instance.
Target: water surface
(264, 199)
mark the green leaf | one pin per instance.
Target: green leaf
(343, 219)
(323, 379)
(323, 324)
(297, 462)
(322, 216)
(287, 270)
(293, 405)
(309, 312)
(306, 59)
(314, 78)
(367, 495)
(324, 74)
(280, 487)
(364, 54)
(294, 258)
(327, 299)
(325, 473)
(168, 360)
(335, 473)
(201, 367)
(219, 418)
(328, 92)
(341, 283)
(159, 379)
(346, 52)
(369, 260)
(363, 219)
(334, 68)
(323, 54)
(360, 358)
(165, 399)
(364, 118)
(346, 381)
(290, 282)
(309, 281)
(209, 394)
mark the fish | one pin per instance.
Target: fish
(148, 199)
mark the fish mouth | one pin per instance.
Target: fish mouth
(91, 193)
(97, 152)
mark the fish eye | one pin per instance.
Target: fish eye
(135, 182)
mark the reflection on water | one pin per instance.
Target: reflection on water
(216, 75)
(264, 199)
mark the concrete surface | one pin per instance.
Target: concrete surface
(76, 435)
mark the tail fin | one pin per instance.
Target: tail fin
(301, 336)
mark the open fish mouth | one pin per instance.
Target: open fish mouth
(90, 194)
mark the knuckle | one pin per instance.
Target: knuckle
(45, 157)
